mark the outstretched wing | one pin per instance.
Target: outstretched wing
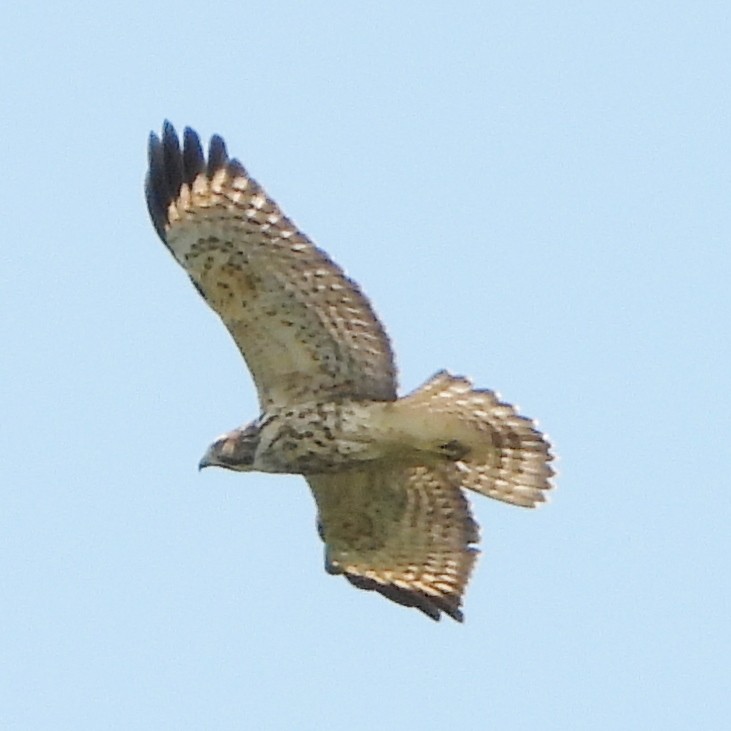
(403, 532)
(304, 328)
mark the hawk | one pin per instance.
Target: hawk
(387, 474)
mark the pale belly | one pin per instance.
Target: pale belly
(329, 437)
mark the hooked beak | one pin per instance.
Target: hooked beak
(207, 460)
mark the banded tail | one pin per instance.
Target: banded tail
(499, 453)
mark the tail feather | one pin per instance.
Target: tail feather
(505, 456)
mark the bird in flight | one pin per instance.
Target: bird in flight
(388, 474)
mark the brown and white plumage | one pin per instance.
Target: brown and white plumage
(302, 326)
(386, 473)
(403, 531)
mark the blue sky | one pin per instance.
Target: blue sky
(535, 195)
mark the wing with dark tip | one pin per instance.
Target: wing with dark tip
(304, 328)
(406, 533)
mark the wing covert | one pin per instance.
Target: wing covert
(405, 532)
(304, 328)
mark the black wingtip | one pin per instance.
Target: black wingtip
(217, 155)
(170, 167)
(432, 606)
(173, 160)
(155, 189)
(194, 161)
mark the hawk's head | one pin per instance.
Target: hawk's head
(234, 451)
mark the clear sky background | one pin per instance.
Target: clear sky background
(536, 195)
